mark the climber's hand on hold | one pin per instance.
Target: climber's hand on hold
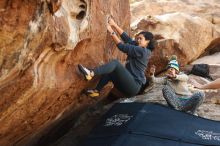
(111, 21)
(109, 28)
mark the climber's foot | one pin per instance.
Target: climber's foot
(86, 72)
(92, 92)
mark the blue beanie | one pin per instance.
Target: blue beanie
(173, 63)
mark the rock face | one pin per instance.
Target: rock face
(180, 33)
(208, 10)
(41, 43)
(209, 59)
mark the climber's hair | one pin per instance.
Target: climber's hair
(149, 36)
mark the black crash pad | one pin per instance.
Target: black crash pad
(150, 124)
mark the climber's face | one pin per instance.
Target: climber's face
(142, 42)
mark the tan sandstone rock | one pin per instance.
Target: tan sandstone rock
(208, 9)
(179, 33)
(184, 26)
(41, 43)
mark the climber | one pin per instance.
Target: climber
(176, 91)
(127, 79)
(211, 85)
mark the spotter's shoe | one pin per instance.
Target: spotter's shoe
(92, 93)
(86, 72)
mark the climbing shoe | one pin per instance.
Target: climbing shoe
(92, 93)
(86, 72)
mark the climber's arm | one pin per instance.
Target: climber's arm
(113, 34)
(124, 36)
(112, 23)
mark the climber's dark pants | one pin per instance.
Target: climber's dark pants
(122, 79)
(183, 103)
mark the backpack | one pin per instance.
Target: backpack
(201, 70)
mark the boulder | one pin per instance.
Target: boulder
(208, 59)
(181, 34)
(41, 43)
(207, 10)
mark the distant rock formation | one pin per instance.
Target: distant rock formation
(188, 29)
(209, 10)
(41, 43)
